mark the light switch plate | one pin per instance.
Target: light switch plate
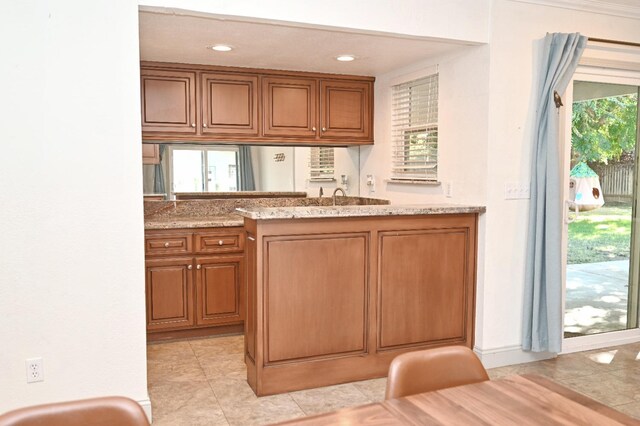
(448, 189)
(517, 191)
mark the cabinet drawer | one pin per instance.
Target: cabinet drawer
(219, 242)
(178, 243)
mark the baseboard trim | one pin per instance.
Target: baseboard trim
(509, 355)
(146, 406)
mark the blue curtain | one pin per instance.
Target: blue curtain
(158, 175)
(542, 325)
(247, 181)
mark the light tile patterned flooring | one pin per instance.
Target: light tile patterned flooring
(203, 382)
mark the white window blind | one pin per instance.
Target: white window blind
(415, 130)
(321, 163)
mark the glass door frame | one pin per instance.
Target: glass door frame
(600, 75)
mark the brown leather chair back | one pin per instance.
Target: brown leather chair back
(106, 411)
(433, 369)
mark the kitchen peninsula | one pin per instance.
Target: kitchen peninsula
(335, 293)
(195, 268)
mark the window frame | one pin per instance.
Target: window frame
(421, 165)
(319, 170)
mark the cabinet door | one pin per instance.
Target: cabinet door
(289, 106)
(168, 101)
(316, 294)
(220, 289)
(345, 109)
(150, 153)
(229, 104)
(425, 288)
(169, 291)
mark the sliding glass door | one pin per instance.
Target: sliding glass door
(601, 200)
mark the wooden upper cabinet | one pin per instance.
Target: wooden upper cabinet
(168, 101)
(150, 153)
(289, 107)
(229, 104)
(200, 103)
(345, 109)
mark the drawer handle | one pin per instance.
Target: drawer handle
(199, 266)
(193, 124)
(313, 128)
(190, 267)
(166, 244)
(251, 238)
(220, 242)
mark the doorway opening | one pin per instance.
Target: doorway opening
(601, 281)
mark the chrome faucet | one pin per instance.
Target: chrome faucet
(338, 189)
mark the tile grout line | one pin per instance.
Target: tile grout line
(209, 383)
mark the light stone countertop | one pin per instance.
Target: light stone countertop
(313, 212)
(194, 222)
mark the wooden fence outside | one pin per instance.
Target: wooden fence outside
(616, 180)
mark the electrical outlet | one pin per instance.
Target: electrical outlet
(35, 373)
(371, 183)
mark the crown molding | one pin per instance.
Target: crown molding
(603, 7)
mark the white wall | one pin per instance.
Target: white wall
(462, 132)
(72, 260)
(515, 34)
(272, 175)
(466, 20)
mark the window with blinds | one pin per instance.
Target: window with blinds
(415, 130)
(321, 164)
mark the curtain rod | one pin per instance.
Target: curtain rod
(623, 43)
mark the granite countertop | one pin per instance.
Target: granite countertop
(312, 212)
(218, 213)
(194, 222)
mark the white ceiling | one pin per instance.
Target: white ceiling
(169, 37)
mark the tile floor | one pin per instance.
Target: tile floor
(202, 382)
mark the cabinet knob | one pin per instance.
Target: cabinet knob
(190, 267)
(220, 242)
(313, 128)
(193, 124)
(199, 266)
(324, 129)
(204, 125)
(166, 244)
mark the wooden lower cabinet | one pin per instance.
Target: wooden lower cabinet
(194, 294)
(422, 287)
(328, 295)
(169, 293)
(220, 289)
(334, 300)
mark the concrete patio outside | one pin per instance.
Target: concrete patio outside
(596, 297)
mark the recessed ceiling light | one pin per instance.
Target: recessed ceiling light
(345, 58)
(220, 47)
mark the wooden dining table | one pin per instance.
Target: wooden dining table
(515, 400)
